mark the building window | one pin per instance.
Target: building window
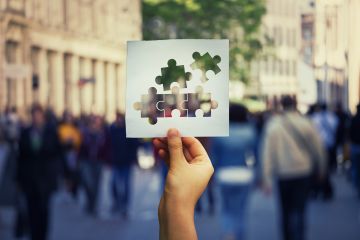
(281, 67)
(270, 6)
(67, 75)
(280, 7)
(275, 36)
(35, 59)
(106, 83)
(11, 53)
(307, 34)
(264, 66)
(273, 4)
(269, 65)
(289, 37)
(117, 87)
(294, 67)
(280, 36)
(82, 67)
(287, 68)
(293, 38)
(93, 74)
(274, 68)
(50, 77)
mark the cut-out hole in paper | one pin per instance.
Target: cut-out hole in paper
(162, 80)
(148, 104)
(173, 73)
(175, 104)
(206, 63)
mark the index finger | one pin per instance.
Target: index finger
(194, 147)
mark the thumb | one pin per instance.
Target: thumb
(175, 146)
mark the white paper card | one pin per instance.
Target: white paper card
(179, 84)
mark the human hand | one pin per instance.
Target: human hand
(190, 170)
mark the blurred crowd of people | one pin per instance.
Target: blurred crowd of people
(47, 153)
(297, 153)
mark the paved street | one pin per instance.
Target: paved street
(336, 220)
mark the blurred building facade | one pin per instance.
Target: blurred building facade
(315, 55)
(353, 53)
(277, 74)
(66, 54)
(331, 42)
(337, 53)
(307, 11)
(307, 94)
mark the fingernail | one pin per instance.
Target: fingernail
(173, 133)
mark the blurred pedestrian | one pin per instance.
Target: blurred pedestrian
(259, 120)
(292, 152)
(343, 120)
(12, 128)
(3, 151)
(209, 193)
(342, 133)
(70, 138)
(326, 124)
(39, 152)
(123, 156)
(50, 117)
(355, 148)
(233, 174)
(90, 157)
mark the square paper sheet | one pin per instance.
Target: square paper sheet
(190, 93)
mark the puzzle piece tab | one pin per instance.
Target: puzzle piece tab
(200, 103)
(147, 106)
(154, 106)
(171, 74)
(173, 101)
(205, 63)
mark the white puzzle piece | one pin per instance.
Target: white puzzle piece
(181, 84)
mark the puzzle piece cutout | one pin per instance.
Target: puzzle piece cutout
(173, 73)
(173, 102)
(200, 103)
(154, 106)
(147, 106)
(206, 63)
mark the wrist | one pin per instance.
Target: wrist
(172, 206)
(176, 220)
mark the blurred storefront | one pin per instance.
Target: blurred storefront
(66, 54)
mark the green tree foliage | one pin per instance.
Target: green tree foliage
(237, 20)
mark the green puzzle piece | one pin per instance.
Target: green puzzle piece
(205, 63)
(171, 74)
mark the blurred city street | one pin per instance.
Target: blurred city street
(340, 218)
(71, 168)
